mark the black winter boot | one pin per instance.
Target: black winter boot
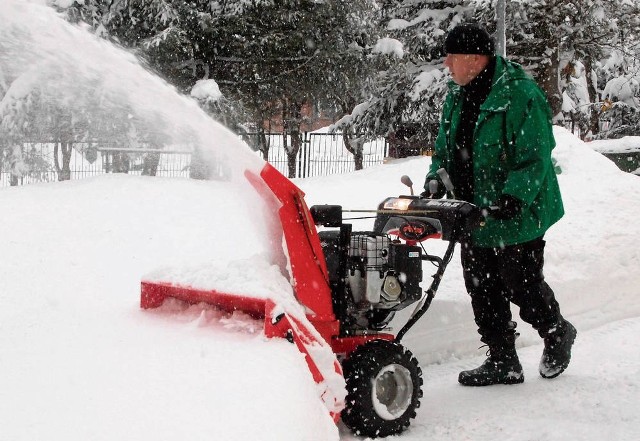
(557, 349)
(501, 367)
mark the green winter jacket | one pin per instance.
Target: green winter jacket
(513, 139)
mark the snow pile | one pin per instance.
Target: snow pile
(264, 280)
(626, 144)
(80, 360)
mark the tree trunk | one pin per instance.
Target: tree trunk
(291, 121)
(547, 74)
(352, 143)
(150, 163)
(292, 153)
(65, 174)
(594, 99)
(548, 78)
(354, 146)
(121, 162)
(263, 143)
(64, 149)
(15, 165)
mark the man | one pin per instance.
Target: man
(495, 142)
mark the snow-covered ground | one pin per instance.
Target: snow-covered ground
(80, 361)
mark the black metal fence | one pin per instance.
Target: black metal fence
(320, 154)
(38, 163)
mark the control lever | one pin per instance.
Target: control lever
(433, 186)
(406, 180)
(446, 181)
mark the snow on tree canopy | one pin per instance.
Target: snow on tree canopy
(389, 46)
(622, 89)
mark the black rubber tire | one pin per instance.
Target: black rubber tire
(384, 388)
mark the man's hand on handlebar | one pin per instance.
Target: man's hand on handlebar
(433, 189)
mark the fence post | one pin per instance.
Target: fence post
(300, 171)
(305, 158)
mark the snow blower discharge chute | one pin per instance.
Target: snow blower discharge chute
(351, 284)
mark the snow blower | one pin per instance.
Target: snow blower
(351, 284)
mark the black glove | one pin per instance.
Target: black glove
(433, 189)
(507, 207)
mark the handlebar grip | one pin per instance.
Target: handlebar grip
(446, 180)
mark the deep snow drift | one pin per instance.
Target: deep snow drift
(79, 360)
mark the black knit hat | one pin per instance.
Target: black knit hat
(469, 39)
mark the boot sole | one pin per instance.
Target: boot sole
(565, 365)
(510, 380)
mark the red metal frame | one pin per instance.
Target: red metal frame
(153, 294)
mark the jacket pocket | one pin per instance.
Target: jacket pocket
(490, 171)
(536, 213)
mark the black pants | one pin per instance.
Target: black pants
(494, 277)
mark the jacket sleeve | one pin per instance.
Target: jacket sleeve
(531, 145)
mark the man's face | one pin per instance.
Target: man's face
(462, 67)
